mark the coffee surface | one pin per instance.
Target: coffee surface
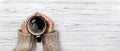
(36, 25)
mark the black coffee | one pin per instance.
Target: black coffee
(36, 24)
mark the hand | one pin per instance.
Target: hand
(50, 24)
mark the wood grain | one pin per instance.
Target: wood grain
(84, 25)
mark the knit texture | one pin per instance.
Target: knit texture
(51, 42)
(25, 43)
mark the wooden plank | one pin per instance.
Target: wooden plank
(59, 1)
(84, 25)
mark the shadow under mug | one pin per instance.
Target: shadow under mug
(36, 25)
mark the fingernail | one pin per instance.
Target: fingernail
(37, 14)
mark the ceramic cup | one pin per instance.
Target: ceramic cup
(36, 25)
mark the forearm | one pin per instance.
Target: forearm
(25, 43)
(51, 42)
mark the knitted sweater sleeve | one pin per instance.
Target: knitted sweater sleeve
(51, 42)
(25, 43)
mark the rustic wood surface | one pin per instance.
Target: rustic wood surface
(84, 25)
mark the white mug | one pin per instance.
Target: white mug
(36, 25)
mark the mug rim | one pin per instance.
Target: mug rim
(44, 28)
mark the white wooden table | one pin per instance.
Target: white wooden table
(84, 25)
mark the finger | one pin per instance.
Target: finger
(24, 24)
(48, 20)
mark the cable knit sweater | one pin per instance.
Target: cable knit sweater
(50, 42)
